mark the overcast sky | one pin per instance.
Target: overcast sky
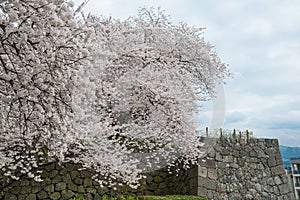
(260, 40)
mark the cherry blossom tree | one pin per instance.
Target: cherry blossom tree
(141, 93)
(42, 43)
(117, 96)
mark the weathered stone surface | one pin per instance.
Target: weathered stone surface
(78, 181)
(72, 186)
(278, 170)
(277, 180)
(25, 190)
(42, 195)
(74, 174)
(284, 189)
(55, 196)
(24, 182)
(49, 188)
(60, 186)
(212, 174)
(53, 173)
(22, 197)
(202, 191)
(202, 171)
(89, 196)
(272, 162)
(85, 174)
(81, 189)
(36, 189)
(67, 194)
(9, 196)
(91, 190)
(235, 169)
(57, 179)
(16, 190)
(87, 182)
(50, 167)
(69, 166)
(66, 177)
(31, 197)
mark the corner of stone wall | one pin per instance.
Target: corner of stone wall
(244, 169)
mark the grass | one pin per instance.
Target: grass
(168, 197)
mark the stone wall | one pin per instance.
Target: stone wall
(244, 169)
(67, 182)
(234, 169)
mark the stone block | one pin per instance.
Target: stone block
(49, 188)
(270, 181)
(24, 182)
(69, 166)
(25, 190)
(91, 190)
(60, 186)
(234, 165)
(85, 174)
(202, 191)
(74, 174)
(81, 189)
(87, 182)
(55, 196)
(89, 197)
(210, 194)
(10, 197)
(67, 194)
(78, 181)
(31, 197)
(212, 174)
(202, 171)
(36, 189)
(277, 180)
(207, 183)
(212, 153)
(258, 187)
(50, 167)
(72, 186)
(63, 171)
(22, 196)
(42, 195)
(221, 188)
(272, 162)
(284, 189)
(219, 157)
(270, 151)
(56, 179)
(278, 170)
(66, 177)
(225, 151)
(53, 173)
(16, 190)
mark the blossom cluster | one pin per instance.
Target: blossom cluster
(117, 96)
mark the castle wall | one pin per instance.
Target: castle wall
(235, 168)
(244, 169)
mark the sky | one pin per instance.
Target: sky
(260, 41)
